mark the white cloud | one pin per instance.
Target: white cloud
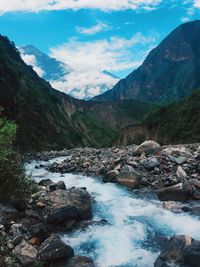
(90, 59)
(94, 29)
(197, 3)
(31, 60)
(108, 54)
(38, 5)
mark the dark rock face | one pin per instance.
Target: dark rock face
(76, 261)
(169, 72)
(53, 249)
(62, 215)
(180, 251)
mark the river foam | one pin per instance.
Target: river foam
(136, 224)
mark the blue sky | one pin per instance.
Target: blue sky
(115, 35)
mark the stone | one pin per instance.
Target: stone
(75, 197)
(45, 182)
(34, 241)
(25, 253)
(53, 187)
(150, 164)
(40, 204)
(76, 261)
(53, 249)
(148, 148)
(61, 185)
(191, 254)
(179, 160)
(173, 193)
(128, 177)
(191, 188)
(111, 176)
(62, 215)
(172, 255)
(181, 173)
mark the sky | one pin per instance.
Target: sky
(95, 35)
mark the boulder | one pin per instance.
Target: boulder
(148, 148)
(25, 253)
(191, 254)
(76, 261)
(45, 182)
(191, 188)
(53, 249)
(173, 193)
(111, 176)
(60, 215)
(128, 177)
(180, 250)
(150, 163)
(178, 160)
(61, 185)
(75, 197)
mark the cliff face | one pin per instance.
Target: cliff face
(170, 72)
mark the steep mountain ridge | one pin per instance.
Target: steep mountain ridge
(170, 72)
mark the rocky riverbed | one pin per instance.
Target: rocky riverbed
(91, 216)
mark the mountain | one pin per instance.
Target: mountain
(170, 72)
(176, 123)
(51, 68)
(64, 78)
(49, 119)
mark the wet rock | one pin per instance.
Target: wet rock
(192, 188)
(111, 176)
(25, 253)
(45, 182)
(148, 148)
(174, 193)
(172, 255)
(74, 197)
(61, 215)
(61, 185)
(128, 177)
(76, 261)
(53, 249)
(53, 187)
(191, 254)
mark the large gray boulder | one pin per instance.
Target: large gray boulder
(173, 193)
(180, 250)
(128, 177)
(148, 148)
(53, 249)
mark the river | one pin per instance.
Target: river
(136, 225)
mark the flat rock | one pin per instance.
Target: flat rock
(25, 253)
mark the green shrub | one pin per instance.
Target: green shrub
(15, 186)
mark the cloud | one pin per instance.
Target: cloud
(89, 59)
(197, 3)
(112, 54)
(31, 60)
(84, 84)
(106, 5)
(94, 29)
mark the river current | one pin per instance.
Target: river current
(137, 223)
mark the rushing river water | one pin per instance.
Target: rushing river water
(137, 224)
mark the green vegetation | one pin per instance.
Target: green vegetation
(15, 185)
(6, 252)
(178, 122)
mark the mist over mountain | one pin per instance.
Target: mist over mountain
(65, 78)
(170, 72)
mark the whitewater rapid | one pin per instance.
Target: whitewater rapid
(136, 223)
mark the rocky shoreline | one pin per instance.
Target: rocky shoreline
(31, 236)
